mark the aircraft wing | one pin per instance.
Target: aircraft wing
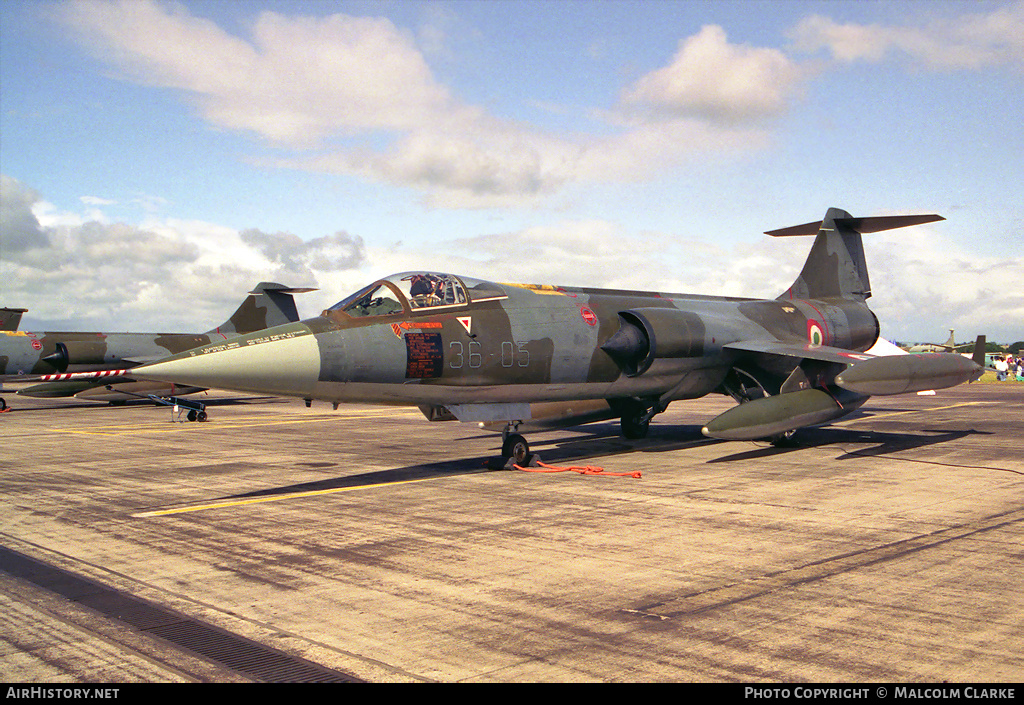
(802, 404)
(68, 384)
(877, 374)
(101, 385)
(883, 374)
(823, 353)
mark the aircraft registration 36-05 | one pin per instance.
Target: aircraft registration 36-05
(515, 356)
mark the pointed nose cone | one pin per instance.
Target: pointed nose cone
(283, 360)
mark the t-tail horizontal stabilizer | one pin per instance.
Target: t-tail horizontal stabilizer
(835, 267)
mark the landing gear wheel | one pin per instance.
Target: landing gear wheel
(634, 428)
(3, 404)
(516, 448)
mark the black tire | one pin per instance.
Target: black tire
(201, 416)
(633, 428)
(784, 440)
(3, 404)
(516, 448)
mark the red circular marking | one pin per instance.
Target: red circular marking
(36, 345)
(589, 316)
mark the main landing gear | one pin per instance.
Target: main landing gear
(635, 416)
(635, 426)
(784, 440)
(744, 387)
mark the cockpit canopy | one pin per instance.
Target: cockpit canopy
(416, 292)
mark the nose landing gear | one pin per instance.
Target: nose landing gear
(514, 450)
(514, 447)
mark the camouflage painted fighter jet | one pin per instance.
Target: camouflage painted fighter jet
(91, 365)
(508, 355)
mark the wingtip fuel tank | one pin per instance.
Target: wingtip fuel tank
(775, 415)
(902, 374)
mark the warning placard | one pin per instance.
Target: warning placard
(424, 355)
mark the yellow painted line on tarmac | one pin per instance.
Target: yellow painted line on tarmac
(177, 427)
(277, 498)
(233, 422)
(915, 411)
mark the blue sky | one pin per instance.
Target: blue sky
(159, 159)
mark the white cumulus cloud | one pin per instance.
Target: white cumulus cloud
(356, 96)
(713, 79)
(970, 41)
(159, 275)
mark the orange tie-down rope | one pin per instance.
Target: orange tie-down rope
(581, 469)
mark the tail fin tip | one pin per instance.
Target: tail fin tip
(835, 267)
(268, 304)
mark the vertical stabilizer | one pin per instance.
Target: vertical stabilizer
(836, 268)
(10, 318)
(979, 352)
(950, 344)
(269, 304)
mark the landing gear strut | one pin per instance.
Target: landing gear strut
(635, 426)
(743, 386)
(635, 416)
